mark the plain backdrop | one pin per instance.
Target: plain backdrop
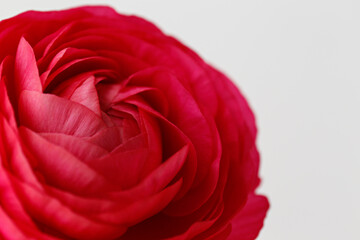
(298, 64)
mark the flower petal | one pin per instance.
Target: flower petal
(247, 224)
(8, 228)
(62, 169)
(13, 154)
(86, 95)
(158, 179)
(5, 107)
(142, 209)
(79, 147)
(61, 218)
(49, 113)
(26, 71)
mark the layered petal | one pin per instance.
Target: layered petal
(62, 169)
(49, 113)
(26, 72)
(247, 224)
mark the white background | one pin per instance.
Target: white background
(298, 63)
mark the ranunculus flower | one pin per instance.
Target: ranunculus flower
(110, 129)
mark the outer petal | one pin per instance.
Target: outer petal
(247, 224)
(54, 214)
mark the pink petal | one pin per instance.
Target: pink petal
(9, 200)
(8, 229)
(154, 97)
(152, 185)
(62, 169)
(14, 156)
(125, 166)
(86, 95)
(132, 143)
(66, 88)
(189, 119)
(62, 218)
(247, 224)
(162, 229)
(196, 197)
(43, 47)
(150, 126)
(193, 72)
(15, 223)
(107, 138)
(64, 57)
(121, 168)
(142, 209)
(79, 65)
(79, 147)
(5, 107)
(85, 205)
(49, 113)
(174, 138)
(126, 117)
(158, 179)
(53, 63)
(222, 234)
(239, 125)
(128, 64)
(194, 230)
(26, 71)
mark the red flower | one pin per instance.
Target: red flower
(112, 130)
